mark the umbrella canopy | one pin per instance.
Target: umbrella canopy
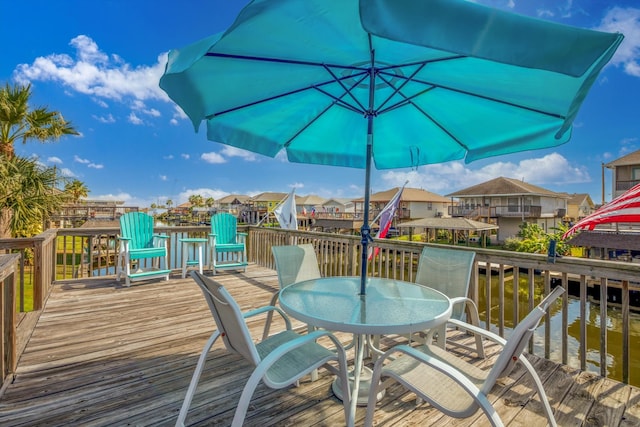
(433, 80)
(624, 208)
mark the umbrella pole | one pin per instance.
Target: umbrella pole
(365, 231)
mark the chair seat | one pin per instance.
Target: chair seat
(229, 247)
(432, 382)
(304, 358)
(147, 253)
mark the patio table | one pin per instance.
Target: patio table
(389, 307)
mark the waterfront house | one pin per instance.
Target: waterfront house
(415, 203)
(579, 205)
(509, 202)
(626, 173)
(232, 203)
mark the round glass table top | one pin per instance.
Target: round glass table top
(389, 306)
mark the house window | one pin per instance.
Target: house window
(512, 203)
(429, 206)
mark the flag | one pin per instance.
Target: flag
(286, 212)
(304, 211)
(385, 218)
(625, 208)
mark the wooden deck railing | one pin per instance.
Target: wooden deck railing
(8, 323)
(93, 252)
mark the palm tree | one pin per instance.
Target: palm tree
(76, 189)
(20, 122)
(169, 204)
(28, 196)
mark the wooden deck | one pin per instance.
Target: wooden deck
(103, 354)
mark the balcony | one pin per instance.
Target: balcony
(495, 211)
(95, 352)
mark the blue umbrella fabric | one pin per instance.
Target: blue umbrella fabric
(393, 83)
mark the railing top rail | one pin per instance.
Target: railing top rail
(8, 264)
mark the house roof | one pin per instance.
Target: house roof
(448, 224)
(231, 198)
(580, 198)
(607, 239)
(502, 186)
(408, 195)
(268, 197)
(337, 201)
(310, 200)
(629, 159)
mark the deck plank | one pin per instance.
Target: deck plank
(104, 354)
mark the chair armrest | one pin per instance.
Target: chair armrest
(266, 309)
(161, 236)
(477, 330)
(126, 239)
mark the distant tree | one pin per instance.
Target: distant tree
(28, 196)
(20, 122)
(196, 200)
(153, 206)
(169, 203)
(76, 190)
(209, 202)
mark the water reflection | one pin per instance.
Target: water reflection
(614, 367)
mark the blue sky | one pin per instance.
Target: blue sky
(99, 62)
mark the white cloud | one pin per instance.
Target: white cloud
(78, 159)
(163, 177)
(67, 172)
(105, 119)
(185, 156)
(169, 157)
(103, 76)
(134, 119)
(627, 22)
(87, 162)
(230, 151)
(445, 178)
(212, 157)
(54, 159)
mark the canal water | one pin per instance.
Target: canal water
(592, 315)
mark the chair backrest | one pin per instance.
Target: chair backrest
(295, 263)
(448, 271)
(224, 226)
(138, 227)
(518, 340)
(228, 318)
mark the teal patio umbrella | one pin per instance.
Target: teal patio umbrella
(396, 83)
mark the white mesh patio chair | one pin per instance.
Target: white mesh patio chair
(294, 263)
(449, 271)
(454, 386)
(279, 361)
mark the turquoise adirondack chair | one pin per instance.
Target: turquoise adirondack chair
(227, 246)
(141, 247)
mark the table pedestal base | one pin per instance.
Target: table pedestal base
(363, 390)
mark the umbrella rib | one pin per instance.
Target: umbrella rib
(282, 95)
(399, 88)
(476, 95)
(347, 90)
(282, 61)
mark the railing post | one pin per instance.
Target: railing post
(8, 348)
